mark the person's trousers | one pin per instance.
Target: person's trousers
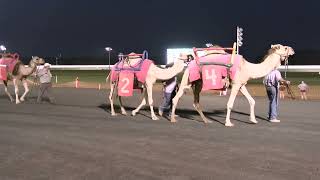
(45, 88)
(273, 96)
(167, 101)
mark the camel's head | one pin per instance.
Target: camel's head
(183, 57)
(37, 60)
(283, 51)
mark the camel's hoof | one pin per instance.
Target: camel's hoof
(173, 120)
(155, 118)
(11, 100)
(113, 114)
(18, 102)
(254, 121)
(21, 100)
(133, 113)
(124, 113)
(229, 124)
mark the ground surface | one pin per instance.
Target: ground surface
(78, 139)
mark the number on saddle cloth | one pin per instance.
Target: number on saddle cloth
(125, 83)
(212, 77)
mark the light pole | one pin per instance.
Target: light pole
(209, 44)
(109, 49)
(58, 58)
(239, 38)
(3, 48)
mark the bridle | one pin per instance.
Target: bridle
(286, 62)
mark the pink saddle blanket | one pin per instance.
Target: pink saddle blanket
(141, 74)
(7, 66)
(195, 69)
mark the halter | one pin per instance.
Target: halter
(286, 62)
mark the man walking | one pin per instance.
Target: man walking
(45, 76)
(271, 82)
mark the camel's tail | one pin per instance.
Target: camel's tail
(108, 77)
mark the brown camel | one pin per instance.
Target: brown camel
(21, 72)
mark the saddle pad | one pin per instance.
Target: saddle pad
(125, 84)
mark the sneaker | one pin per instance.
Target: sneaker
(274, 120)
(160, 113)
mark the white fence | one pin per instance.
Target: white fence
(291, 68)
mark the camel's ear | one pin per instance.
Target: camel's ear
(276, 46)
(32, 57)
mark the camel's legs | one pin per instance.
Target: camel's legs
(196, 99)
(175, 101)
(150, 100)
(112, 86)
(6, 90)
(26, 89)
(233, 95)
(184, 85)
(143, 102)
(16, 90)
(123, 110)
(252, 102)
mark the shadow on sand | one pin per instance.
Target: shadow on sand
(188, 114)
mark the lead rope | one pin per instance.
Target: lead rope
(289, 90)
(285, 67)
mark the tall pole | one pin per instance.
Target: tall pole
(109, 60)
(109, 49)
(239, 38)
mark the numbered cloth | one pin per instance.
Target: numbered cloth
(7, 66)
(126, 77)
(212, 74)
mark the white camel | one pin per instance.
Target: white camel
(21, 72)
(245, 71)
(154, 73)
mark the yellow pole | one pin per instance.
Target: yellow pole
(233, 52)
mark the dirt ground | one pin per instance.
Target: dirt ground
(254, 89)
(77, 139)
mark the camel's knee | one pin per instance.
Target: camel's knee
(111, 98)
(175, 100)
(252, 102)
(229, 105)
(143, 102)
(150, 102)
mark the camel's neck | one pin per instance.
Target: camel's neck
(26, 71)
(260, 70)
(168, 73)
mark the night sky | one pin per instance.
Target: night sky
(84, 28)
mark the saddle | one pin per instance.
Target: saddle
(214, 71)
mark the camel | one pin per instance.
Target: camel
(21, 72)
(154, 73)
(244, 72)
